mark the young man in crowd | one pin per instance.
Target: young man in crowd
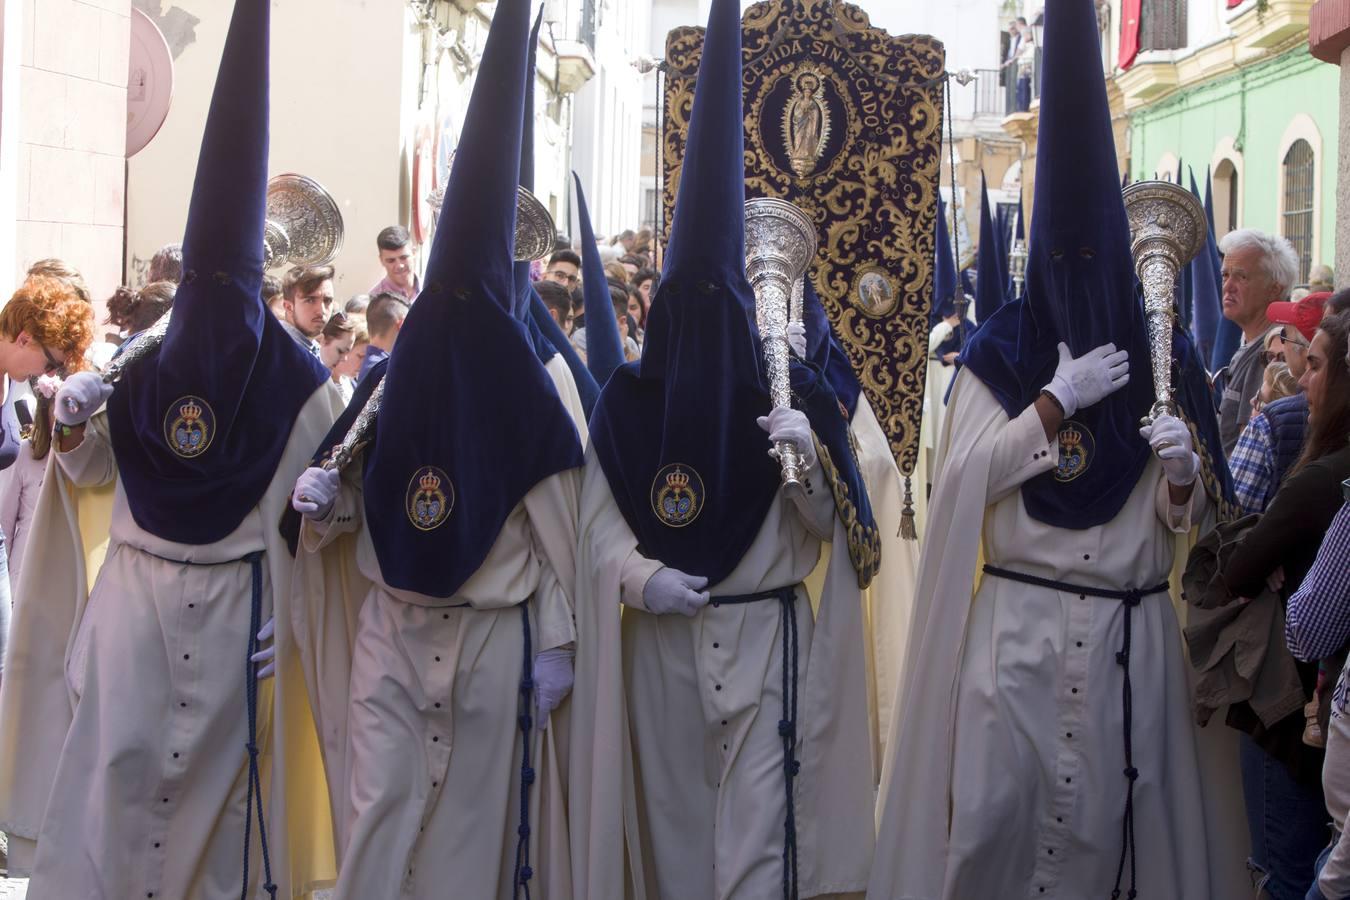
(395, 246)
(384, 320)
(564, 268)
(307, 298)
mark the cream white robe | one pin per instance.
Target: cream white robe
(1004, 776)
(566, 386)
(889, 601)
(698, 809)
(936, 382)
(147, 781)
(424, 760)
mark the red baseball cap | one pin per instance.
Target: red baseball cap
(1305, 314)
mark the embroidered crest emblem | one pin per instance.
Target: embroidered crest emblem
(1076, 450)
(431, 496)
(189, 426)
(677, 495)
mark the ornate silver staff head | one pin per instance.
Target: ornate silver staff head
(304, 223)
(780, 242)
(1167, 229)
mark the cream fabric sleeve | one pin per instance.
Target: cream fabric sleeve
(1021, 452)
(90, 463)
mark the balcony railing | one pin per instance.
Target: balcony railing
(1011, 89)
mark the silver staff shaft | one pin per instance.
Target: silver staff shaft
(780, 242)
(136, 348)
(356, 438)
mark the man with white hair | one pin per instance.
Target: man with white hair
(1258, 270)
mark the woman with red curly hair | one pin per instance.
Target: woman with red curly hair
(44, 326)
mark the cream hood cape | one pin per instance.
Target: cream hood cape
(68, 538)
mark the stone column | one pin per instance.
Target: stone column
(71, 180)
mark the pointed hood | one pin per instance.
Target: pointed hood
(1185, 289)
(527, 306)
(944, 271)
(1207, 301)
(604, 346)
(989, 279)
(521, 273)
(1226, 336)
(1080, 284)
(706, 246)
(199, 425)
(469, 420)
(676, 433)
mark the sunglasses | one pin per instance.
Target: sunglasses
(53, 365)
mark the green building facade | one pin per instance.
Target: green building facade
(1269, 132)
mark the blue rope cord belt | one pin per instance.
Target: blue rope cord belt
(255, 561)
(1130, 598)
(523, 872)
(787, 725)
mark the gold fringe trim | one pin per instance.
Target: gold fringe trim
(864, 541)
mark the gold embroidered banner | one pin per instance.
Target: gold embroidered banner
(845, 121)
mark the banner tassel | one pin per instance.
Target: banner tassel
(908, 528)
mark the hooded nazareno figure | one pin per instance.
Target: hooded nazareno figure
(159, 758)
(435, 576)
(744, 766)
(1043, 743)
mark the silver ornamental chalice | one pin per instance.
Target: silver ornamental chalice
(780, 242)
(1167, 230)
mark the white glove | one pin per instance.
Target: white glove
(552, 680)
(266, 658)
(80, 397)
(786, 424)
(796, 338)
(672, 591)
(315, 491)
(1081, 382)
(1171, 440)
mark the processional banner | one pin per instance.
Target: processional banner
(845, 121)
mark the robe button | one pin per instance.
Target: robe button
(717, 687)
(1087, 556)
(435, 739)
(1073, 690)
(438, 704)
(716, 644)
(724, 721)
(438, 659)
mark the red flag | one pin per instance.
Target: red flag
(1129, 32)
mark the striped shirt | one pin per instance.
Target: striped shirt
(1317, 621)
